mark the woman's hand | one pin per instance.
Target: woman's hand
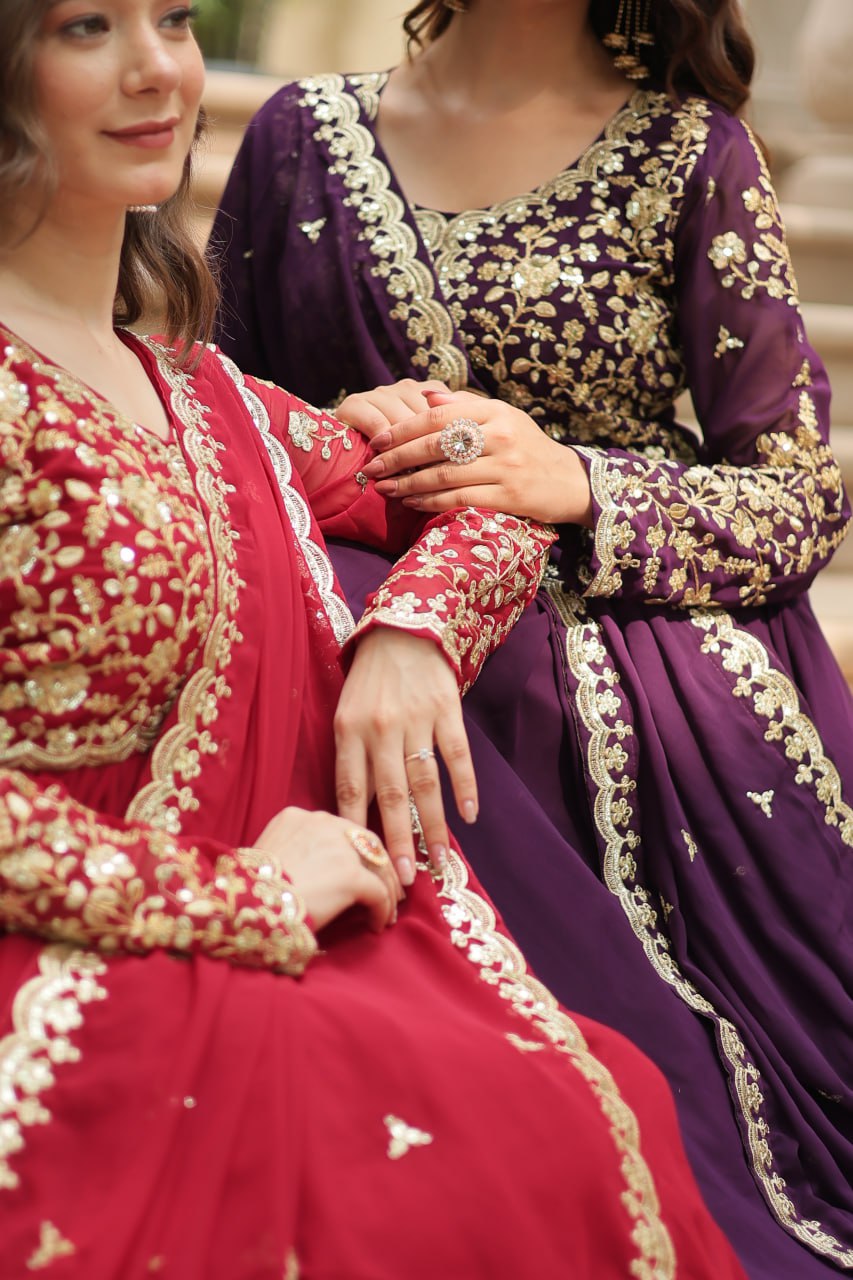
(375, 411)
(400, 700)
(320, 855)
(521, 470)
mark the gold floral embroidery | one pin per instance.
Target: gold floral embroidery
(766, 265)
(776, 701)
(692, 847)
(764, 800)
(522, 1045)
(298, 512)
(336, 105)
(75, 690)
(74, 878)
(52, 1245)
(177, 756)
(46, 1012)
(606, 371)
(470, 617)
(402, 1137)
(499, 963)
(304, 431)
(783, 517)
(607, 719)
(726, 342)
(312, 229)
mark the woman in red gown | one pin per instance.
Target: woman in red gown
(211, 1068)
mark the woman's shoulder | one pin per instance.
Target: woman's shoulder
(698, 125)
(692, 141)
(321, 98)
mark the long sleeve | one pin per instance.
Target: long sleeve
(74, 876)
(763, 508)
(94, 556)
(467, 574)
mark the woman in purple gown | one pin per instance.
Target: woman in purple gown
(662, 744)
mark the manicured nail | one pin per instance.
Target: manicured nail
(406, 871)
(381, 441)
(417, 503)
(374, 468)
(438, 855)
(386, 487)
(469, 811)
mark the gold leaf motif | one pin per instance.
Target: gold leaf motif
(764, 800)
(403, 1137)
(524, 1046)
(52, 1245)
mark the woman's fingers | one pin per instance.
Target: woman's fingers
(425, 785)
(376, 411)
(441, 479)
(452, 742)
(352, 774)
(392, 797)
(380, 889)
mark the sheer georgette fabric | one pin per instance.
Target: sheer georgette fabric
(664, 746)
(173, 1101)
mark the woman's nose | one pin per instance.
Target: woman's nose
(150, 64)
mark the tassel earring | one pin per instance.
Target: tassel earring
(142, 208)
(630, 36)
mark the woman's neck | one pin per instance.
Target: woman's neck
(66, 270)
(500, 53)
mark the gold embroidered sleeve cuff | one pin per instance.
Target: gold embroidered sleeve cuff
(70, 876)
(717, 535)
(464, 584)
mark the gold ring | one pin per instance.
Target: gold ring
(425, 753)
(368, 847)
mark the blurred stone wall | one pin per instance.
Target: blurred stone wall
(304, 36)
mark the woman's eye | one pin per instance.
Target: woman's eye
(91, 25)
(181, 17)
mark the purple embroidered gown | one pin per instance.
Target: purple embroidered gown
(662, 744)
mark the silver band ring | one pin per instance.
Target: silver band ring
(425, 753)
(462, 441)
(368, 848)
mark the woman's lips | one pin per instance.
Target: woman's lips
(152, 137)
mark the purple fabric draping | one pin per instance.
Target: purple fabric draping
(663, 743)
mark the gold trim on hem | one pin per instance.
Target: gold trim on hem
(606, 717)
(46, 1010)
(351, 152)
(500, 964)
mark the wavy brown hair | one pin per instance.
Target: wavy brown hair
(162, 271)
(700, 46)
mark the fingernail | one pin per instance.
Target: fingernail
(406, 871)
(417, 503)
(381, 441)
(374, 468)
(469, 811)
(438, 854)
(386, 487)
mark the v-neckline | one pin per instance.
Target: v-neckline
(127, 424)
(538, 192)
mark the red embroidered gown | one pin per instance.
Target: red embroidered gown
(189, 1087)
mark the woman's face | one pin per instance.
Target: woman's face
(118, 85)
